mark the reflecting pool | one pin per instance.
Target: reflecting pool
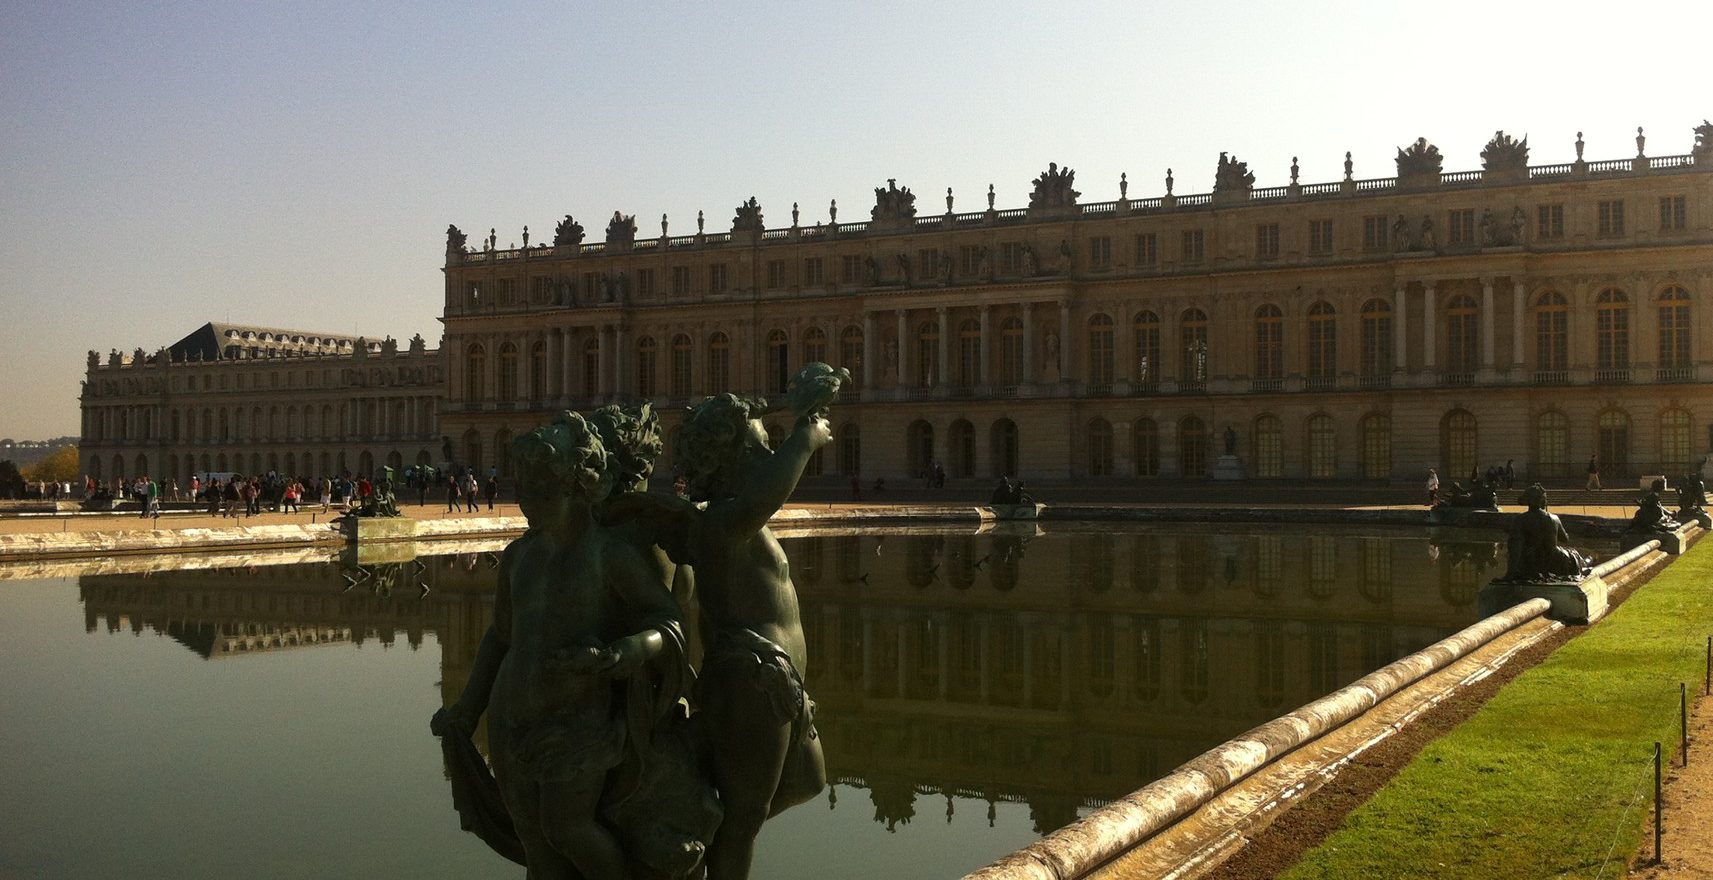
(974, 691)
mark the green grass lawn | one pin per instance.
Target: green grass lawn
(1554, 776)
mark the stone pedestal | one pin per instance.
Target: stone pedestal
(1229, 468)
(1669, 542)
(1579, 603)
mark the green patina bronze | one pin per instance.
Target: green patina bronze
(597, 768)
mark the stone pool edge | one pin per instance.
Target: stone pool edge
(1144, 818)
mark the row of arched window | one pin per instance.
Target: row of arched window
(309, 464)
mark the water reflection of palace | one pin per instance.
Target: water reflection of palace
(1068, 671)
(1061, 671)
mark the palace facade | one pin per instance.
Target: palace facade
(1357, 329)
(253, 399)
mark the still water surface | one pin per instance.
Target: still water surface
(974, 691)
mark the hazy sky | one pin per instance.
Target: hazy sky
(296, 164)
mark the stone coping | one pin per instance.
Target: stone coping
(1117, 829)
(796, 519)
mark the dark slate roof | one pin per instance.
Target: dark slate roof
(214, 339)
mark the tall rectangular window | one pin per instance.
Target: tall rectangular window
(1194, 249)
(1011, 256)
(814, 272)
(1266, 241)
(592, 287)
(1147, 249)
(1374, 232)
(928, 263)
(775, 274)
(644, 282)
(1672, 214)
(969, 259)
(1320, 236)
(1100, 252)
(1549, 222)
(680, 280)
(1611, 219)
(850, 268)
(1460, 226)
(717, 279)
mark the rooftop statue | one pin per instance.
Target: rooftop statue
(621, 230)
(748, 217)
(1539, 546)
(1650, 515)
(593, 770)
(569, 233)
(1703, 149)
(1505, 153)
(893, 203)
(1053, 188)
(1419, 159)
(1233, 176)
(455, 239)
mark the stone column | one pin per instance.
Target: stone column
(986, 368)
(869, 347)
(551, 373)
(1067, 360)
(1430, 313)
(1488, 319)
(623, 360)
(1028, 344)
(943, 380)
(491, 373)
(1518, 345)
(904, 359)
(603, 362)
(1400, 336)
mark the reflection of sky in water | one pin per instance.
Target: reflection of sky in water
(272, 721)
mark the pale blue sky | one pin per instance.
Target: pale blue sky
(296, 164)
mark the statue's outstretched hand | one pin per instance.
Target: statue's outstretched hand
(452, 720)
(815, 387)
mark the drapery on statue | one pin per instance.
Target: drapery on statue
(1650, 515)
(580, 675)
(1539, 551)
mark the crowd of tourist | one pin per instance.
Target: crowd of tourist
(240, 495)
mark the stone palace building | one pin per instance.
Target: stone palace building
(253, 399)
(1357, 329)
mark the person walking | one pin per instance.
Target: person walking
(451, 493)
(1432, 486)
(1510, 473)
(1593, 473)
(470, 489)
(491, 489)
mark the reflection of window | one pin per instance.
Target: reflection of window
(1323, 567)
(1269, 565)
(1102, 657)
(1193, 661)
(1145, 647)
(1144, 563)
(1323, 658)
(1269, 662)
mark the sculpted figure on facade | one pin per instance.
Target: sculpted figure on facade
(748, 217)
(945, 272)
(904, 273)
(569, 233)
(1051, 363)
(1232, 176)
(1053, 188)
(1419, 163)
(871, 270)
(1427, 241)
(1505, 154)
(455, 239)
(1519, 223)
(893, 204)
(621, 230)
(1403, 239)
(1029, 266)
(1489, 228)
(984, 266)
(889, 359)
(1067, 259)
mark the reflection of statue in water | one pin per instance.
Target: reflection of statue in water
(751, 708)
(1651, 515)
(580, 676)
(1538, 544)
